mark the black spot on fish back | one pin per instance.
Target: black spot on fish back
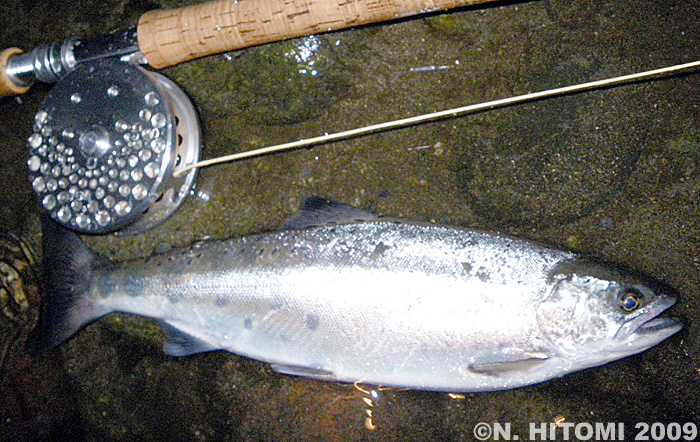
(174, 297)
(221, 301)
(483, 275)
(312, 321)
(276, 303)
(131, 286)
(379, 251)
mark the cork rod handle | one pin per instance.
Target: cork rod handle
(169, 37)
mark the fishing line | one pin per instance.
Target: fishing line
(444, 114)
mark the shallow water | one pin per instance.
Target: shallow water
(612, 173)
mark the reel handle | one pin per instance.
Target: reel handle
(169, 37)
(8, 88)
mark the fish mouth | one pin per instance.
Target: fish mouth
(656, 325)
(648, 329)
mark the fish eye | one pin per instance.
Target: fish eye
(630, 300)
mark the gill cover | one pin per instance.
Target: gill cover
(588, 304)
(601, 308)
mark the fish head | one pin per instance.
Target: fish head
(597, 313)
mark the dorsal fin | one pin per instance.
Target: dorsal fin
(317, 211)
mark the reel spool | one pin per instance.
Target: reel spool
(106, 142)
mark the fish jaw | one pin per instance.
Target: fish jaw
(648, 329)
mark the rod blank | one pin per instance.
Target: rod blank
(449, 113)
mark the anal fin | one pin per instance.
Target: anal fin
(307, 372)
(179, 343)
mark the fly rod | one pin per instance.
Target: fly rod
(115, 146)
(111, 141)
(165, 38)
(444, 114)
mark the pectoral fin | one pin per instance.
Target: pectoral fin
(179, 343)
(500, 368)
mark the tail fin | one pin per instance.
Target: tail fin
(66, 305)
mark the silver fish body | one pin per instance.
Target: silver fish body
(380, 301)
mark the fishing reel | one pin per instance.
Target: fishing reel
(106, 146)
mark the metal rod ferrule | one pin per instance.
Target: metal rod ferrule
(49, 62)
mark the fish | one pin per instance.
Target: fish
(341, 294)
